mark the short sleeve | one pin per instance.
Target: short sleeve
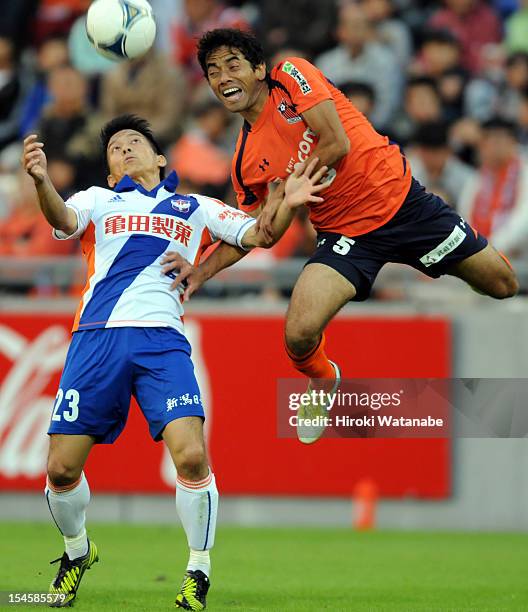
(305, 83)
(82, 203)
(225, 222)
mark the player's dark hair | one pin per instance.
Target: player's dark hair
(231, 38)
(129, 122)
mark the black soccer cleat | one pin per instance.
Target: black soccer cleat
(68, 578)
(193, 591)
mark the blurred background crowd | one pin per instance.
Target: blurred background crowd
(447, 80)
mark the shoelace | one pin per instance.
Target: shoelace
(189, 587)
(63, 570)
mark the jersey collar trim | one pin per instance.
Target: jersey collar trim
(127, 184)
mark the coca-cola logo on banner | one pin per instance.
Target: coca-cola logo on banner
(25, 403)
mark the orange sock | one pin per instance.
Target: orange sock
(315, 363)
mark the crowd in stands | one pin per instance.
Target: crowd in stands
(447, 80)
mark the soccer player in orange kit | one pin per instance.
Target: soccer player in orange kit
(373, 212)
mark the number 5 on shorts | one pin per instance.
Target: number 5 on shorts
(342, 246)
(72, 396)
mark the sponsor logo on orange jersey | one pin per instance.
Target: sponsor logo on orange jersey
(298, 76)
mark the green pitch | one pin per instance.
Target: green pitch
(283, 569)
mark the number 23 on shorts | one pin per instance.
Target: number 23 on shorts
(71, 412)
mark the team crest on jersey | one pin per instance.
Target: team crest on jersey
(298, 76)
(182, 206)
(288, 112)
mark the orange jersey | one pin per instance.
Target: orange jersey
(371, 181)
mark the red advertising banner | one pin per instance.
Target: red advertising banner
(238, 361)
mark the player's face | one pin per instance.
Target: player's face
(129, 152)
(233, 79)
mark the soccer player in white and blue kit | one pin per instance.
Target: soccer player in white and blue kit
(128, 334)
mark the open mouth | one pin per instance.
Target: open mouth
(232, 93)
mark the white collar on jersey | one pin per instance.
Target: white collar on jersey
(127, 184)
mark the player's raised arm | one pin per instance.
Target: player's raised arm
(193, 277)
(300, 188)
(52, 205)
(333, 145)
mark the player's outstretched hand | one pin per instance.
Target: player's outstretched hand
(303, 184)
(34, 159)
(189, 277)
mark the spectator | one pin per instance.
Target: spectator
(200, 16)
(199, 157)
(434, 164)
(440, 59)
(451, 87)
(482, 94)
(14, 85)
(464, 137)
(522, 121)
(473, 23)
(55, 17)
(517, 29)
(302, 24)
(17, 20)
(67, 112)
(52, 54)
(439, 53)
(361, 95)
(84, 57)
(166, 12)
(25, 232)
(149, 87)
(393, 33)
(495, 202)
(357, 58)
(422, 103)
(517, 81)
(9, 166)
(66, 119)
(499, 92)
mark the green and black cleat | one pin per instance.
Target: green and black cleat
(193, 591)
(69, 576)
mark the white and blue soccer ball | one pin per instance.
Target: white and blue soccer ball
(121, 29)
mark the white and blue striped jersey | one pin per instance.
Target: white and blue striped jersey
(124, 234)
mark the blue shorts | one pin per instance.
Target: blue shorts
(425, 233)
(105, 367)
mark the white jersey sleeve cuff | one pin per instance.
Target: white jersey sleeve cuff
(242, 231)
(60, 235)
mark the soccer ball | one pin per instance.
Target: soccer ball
(121, 29)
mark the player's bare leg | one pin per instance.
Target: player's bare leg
(320, 292)
(68, 495)
(488, 272)
(196, 503)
